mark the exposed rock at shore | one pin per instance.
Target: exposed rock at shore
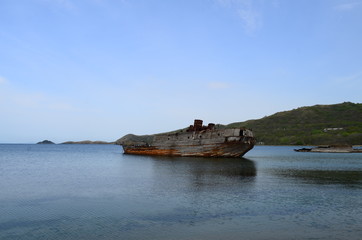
(45, 142)
(134, 139)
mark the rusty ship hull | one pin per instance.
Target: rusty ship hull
(197, 141)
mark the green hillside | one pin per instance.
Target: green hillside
(315, 125)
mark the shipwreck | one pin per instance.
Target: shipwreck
(196, 140)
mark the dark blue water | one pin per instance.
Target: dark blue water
(96, 192)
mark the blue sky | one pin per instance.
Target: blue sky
(99, 69)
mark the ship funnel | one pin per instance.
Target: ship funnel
(197, 124)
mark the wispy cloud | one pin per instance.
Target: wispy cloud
(250, 15)
(37, 101)
(350, 81)
(2, 80)
(74, 4)
(15, 98)
(348, 6)
(251, 19)
(67, 4)
(30, 100)
(218, 85)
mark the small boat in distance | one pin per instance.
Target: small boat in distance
(197, 140)
(342, 148)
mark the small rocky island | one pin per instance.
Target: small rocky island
(45, 142)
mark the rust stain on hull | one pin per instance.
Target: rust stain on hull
(151, 151)
(229, 149)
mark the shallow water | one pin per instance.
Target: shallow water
(96, 192)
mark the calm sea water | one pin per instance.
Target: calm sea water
(96, 192)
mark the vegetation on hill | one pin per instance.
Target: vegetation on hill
(315, 125)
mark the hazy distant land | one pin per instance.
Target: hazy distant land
(87, 142)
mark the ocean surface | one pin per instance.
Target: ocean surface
(95, 192)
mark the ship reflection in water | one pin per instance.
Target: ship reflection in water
(206, 172)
